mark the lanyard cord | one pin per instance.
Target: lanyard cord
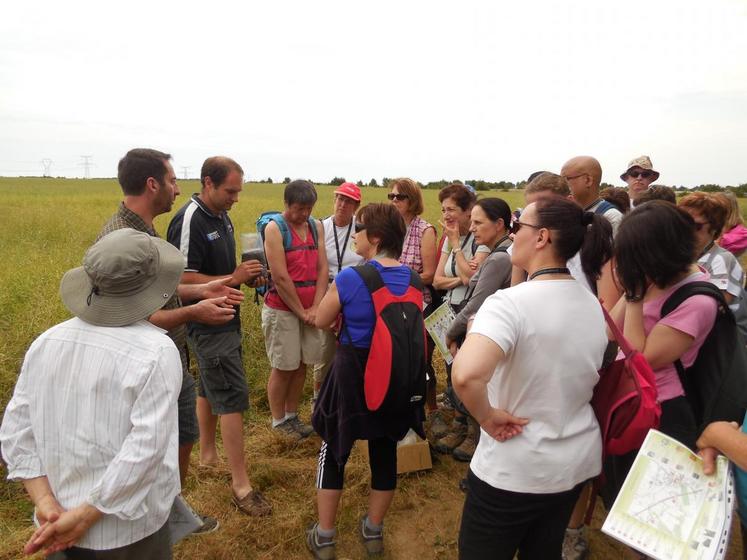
(341, 254)
(556, 270)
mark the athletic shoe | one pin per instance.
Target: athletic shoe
(372, 541)
(209, 525)
(287, 430)
(303, 430)
(575, 546)
(323, 548)
(437, 426)
(454, 438)
(464, 451)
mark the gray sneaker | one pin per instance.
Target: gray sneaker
(322, 548)
(575, 546)
(288, 430)
(372, 542)
(209, 524)
(303, 430)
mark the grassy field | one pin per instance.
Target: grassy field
(49, 224)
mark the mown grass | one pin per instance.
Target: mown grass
(48, 225)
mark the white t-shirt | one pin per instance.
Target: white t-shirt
(553, 335)
(344, 243)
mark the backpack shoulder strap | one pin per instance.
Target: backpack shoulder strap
(680, 295)
(603, 207)
(370, 276)
(277, 217)
(692, 289)
(314, 231)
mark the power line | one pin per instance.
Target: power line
(185, 171)
(87, 164)
(47, 166)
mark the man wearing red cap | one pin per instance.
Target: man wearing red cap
(338, 241)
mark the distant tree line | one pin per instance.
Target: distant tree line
(504, 186)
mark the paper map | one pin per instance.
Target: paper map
(437, 323)
(668, 508)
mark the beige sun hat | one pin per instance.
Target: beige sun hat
(126, 276)
(644, 162)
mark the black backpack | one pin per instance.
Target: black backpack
(394, 379)
(716, 384)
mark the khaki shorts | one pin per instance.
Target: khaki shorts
(329, 346)
(289, 341)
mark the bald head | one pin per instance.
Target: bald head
(584, 175)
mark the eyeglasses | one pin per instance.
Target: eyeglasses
(700, 225)
(397, 196)
(645, 174)
(518, 225)
(359, 227)
(574, 177)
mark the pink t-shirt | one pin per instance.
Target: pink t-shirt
(694, 317)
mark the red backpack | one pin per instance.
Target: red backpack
(625, 398)
(394, 379)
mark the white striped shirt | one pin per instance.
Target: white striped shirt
(95, 411)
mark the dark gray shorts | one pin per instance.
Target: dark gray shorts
(189, 431)
(222, 379)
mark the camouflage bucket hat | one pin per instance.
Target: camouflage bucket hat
(644, 162)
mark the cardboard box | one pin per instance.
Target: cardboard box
(410, 457)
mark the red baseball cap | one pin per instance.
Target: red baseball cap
(351, 190)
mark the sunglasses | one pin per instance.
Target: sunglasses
(393, 196)
(359, 227)
(636, 174)
(518, 225)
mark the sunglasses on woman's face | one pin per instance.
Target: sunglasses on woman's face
(518, 225)
(636, 174)
(396, 196)
(359, 227)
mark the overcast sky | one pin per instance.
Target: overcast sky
(427, 89)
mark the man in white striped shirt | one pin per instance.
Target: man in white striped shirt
(91, 429)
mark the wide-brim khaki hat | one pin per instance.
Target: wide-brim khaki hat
(644, 162)
(126, 276)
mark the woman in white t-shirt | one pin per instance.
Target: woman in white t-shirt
(526, 373)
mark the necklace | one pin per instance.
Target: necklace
(555, 270)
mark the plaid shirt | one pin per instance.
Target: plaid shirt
(411, 250)
(126, 218)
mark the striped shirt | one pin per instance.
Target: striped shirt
(725, 271)
(411, 250)
(94, 410)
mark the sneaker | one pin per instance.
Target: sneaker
(437, 426)
(372, 542)
(288, 430)
(322, 548)
(303, 430)
(454, 437)
(464, 451)
(209, 525)
(575, 546)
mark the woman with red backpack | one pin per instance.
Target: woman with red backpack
(655, 254)
(365, 296)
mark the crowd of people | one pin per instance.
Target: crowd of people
(105, 413)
